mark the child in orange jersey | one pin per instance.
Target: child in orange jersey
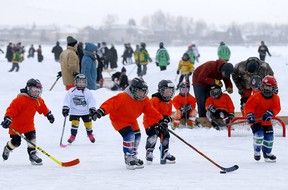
(185, 68)
(161, 101)
(20, 116)
(259, 110)
(220, 108)
(185, 105)
(124, 109)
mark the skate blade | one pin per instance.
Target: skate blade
(36, 164)
(269, 161)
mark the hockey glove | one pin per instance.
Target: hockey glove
(268, 115)
(75, 74)
(218, 83)
(149, 59)
(65, 111)
(59, 74)
(161, 128)
(157, 64)
(178, 72)
(50, 117)
(212, 109)
(99, 113)
(186, 108)
(92, 113)
(229, 90)
(7, 121)
(167, 119)
(251, 118)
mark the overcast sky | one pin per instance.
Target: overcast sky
(93, 12)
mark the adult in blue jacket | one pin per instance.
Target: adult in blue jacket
(89, 65)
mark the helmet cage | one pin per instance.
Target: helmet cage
(80, 82)
(215, 92)
(34, 91)
(184, 88)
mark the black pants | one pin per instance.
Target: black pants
(201, 94)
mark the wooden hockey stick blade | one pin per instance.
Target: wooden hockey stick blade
(230, 169)
(71, 163)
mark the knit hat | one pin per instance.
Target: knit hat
(123, 70)
(228, 69)
(71, 41)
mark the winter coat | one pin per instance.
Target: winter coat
(241, 77)
(124, 110)
(162, 57)
(205, 74)
(9, 53)
(224, 102)
(180, 101)
(88, 66)
(144, 56)
(113, 57)
(191, 55)
(137, 55)
(185, 67)
(163, 107)
(258, 105)
(22, 111)
(57, 50)
(263, 49)
(69, 64)
(17, 58)
(40, 56)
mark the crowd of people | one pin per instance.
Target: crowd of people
(253, 77)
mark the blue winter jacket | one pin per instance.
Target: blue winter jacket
(88, 65)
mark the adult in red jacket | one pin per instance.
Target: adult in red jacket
(210, 74)
(124, 109)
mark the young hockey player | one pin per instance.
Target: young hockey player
(185, 68)
(79, 103)
(161, 101)
(124, 109)
(220, 108)
(259, 110)
(20, 117)
(185, 105)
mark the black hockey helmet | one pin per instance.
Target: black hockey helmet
(138, 85)
(33, 88)
(166, 88)
(184, 88)
(215, 91)
(161, 45)
(185, 57)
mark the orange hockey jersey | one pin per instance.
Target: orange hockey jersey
(222, 103)
(22, 111)
(124, 111)
(179, 101)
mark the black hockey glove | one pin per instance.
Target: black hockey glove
(251, 118)
(65, 111)
(6, 122)
(161, 128)
(157, 64)
(268, 115)
(186, 108)
(59, 74)
(178, 72)
(212, 109)
(92, 113)
(50, 117)
(167, 119)
(75, 74)
(99, 113)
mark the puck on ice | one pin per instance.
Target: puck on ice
(222, 172)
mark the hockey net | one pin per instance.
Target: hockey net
(239, 127)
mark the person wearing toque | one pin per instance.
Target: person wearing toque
(69, 61)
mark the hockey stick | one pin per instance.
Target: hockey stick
(64, 164)
(54, 83)
(223, 170)
(162, 161)
(61, 144)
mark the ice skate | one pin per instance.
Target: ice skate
(91, 138)
(71, 139)
(6, 153)
(149, 157)
(34, 159)
(257, 156)
(268, 157)
(167, 158)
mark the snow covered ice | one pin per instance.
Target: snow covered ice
(102, 163)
